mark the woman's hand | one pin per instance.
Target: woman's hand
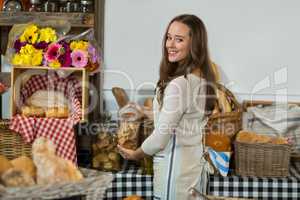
(129, 154)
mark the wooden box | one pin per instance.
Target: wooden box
(16, 82)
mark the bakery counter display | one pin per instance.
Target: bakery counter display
(48, 176)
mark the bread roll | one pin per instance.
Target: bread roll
(24, 164)
(133, 197)
(57, 112)
(16, 178)
(218, 142)
(4, 164)
(148, 102)
(31, 111)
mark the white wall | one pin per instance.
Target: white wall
(256, 43)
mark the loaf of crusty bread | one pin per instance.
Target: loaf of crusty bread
(121, 96)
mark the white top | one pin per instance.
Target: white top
(182, 113)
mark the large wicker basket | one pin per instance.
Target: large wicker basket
(262, 160)
(93, 187)
(11, 143)
(228, 123)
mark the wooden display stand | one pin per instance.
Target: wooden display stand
(16, 85)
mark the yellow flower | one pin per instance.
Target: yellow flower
(17, 59)
(30, 34)
(82, 45)
(27, 49)
(37, 58)
(47, 35)
(26, 59)
(55, 64)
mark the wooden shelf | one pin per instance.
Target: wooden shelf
(49, 68)
(75, 19)
(16, 81)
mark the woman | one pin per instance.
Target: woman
(180, 109)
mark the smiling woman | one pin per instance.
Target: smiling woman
(178, 41)
(180, 107)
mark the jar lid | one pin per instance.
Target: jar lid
(35, 1)
(86, 2)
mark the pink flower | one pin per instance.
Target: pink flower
(79, 58)
(53, 52)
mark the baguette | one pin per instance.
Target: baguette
(121, 96)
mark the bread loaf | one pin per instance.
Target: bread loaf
(31, 111)
(218, 141)
(148, 102)
(57, 112)
(121, 96)
(24, 164)
(16, 178)
(4, 164)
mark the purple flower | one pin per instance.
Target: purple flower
(41, 45)
(18, 45)
(93, 53)
(65, 59)
(79, 58)
(65, 45)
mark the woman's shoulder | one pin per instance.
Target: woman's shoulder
(184, 80)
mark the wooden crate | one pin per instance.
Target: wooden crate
(16, 71)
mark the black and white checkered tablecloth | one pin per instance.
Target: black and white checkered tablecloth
(257, 188)
(130, 182)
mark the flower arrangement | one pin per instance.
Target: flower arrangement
(41, 47)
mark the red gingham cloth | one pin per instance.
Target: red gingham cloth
(60, 131)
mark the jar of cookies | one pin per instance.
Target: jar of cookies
(105, 152)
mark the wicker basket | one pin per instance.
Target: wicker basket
(262, 160)
(11, 143)
(228, 123)
(93, 186)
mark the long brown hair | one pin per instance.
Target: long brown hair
(198, 57)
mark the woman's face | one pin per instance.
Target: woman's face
(178, 42)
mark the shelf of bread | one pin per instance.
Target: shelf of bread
(75, 19)
(21, 74)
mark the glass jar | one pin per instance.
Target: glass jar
(35, 6)
(12, 6)
(72, 6)
(104, 149)
(50, 6)
(87, 6)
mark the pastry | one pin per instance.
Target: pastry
(24, 164)
(251, 137)
(31, 111)
(62, 112)
(16, 178)
(50, 167)
(133, 197)
(218, 142)
(5, 164)
(148, 102)
(121, 96)
(57, 112)
(47, 99)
